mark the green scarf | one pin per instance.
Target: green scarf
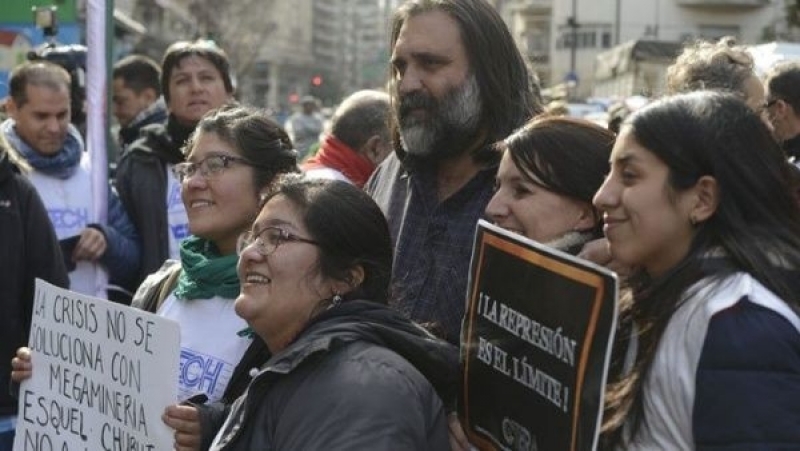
(206, 274)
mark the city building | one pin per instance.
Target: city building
(530, 22)
(579, 30)
(167, 21)
(350, 46)
(327, 48)
(636, 67)
(284, 63)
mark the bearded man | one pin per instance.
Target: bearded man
(458, 85)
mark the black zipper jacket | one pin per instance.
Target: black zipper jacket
(28, 249)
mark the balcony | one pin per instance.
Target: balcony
(724, 4)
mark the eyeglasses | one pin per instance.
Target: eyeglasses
(208, 166)
(268, 239)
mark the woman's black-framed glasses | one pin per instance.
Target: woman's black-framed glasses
(208, 166)
(268, 239)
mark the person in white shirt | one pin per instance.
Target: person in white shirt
(39, 130)
(305, 126)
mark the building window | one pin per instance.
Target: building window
(588, 36)
(537, 43)
(565, 41)
(606, 40)
(587, 39)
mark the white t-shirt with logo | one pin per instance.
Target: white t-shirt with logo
(177, 220)
(210, 344)
(69, 204)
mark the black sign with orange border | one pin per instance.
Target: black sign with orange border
(535, 345)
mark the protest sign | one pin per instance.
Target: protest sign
(102, 375)
(536, 340)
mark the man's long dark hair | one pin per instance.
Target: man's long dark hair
(509, 91)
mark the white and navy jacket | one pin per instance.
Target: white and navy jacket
(726, 374)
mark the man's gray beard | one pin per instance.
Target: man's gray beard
(451, 127)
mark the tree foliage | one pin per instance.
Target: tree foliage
(240, 27)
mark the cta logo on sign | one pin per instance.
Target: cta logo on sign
(517, 437)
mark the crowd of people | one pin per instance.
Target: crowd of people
(329, 278)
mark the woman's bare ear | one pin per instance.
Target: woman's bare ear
(354, 279)
(706, 199)
(587, 218)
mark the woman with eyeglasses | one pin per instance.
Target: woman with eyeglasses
(195, 79)
(347, 372)
(231, 159)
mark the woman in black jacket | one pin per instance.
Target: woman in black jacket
(347, 372)
(28, 250)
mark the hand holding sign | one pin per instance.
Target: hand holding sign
(185, 420)
(21, 367)
(458, 440)
(535, 344)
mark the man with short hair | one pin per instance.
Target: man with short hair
(136, 96)
(783, 106)
(458, 85)
(39, 130)
(357, 142)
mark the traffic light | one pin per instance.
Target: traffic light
(316, 80)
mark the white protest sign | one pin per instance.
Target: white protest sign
(102, 375)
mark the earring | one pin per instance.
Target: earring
(336, 300)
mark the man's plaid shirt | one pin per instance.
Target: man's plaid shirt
(433, 240)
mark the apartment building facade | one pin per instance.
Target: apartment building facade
(579, 30)
(327, 48)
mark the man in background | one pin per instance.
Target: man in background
(782, 107)
(458, 85)
(136, 96)
(357, 142)
(305, 126)
(39, 131)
